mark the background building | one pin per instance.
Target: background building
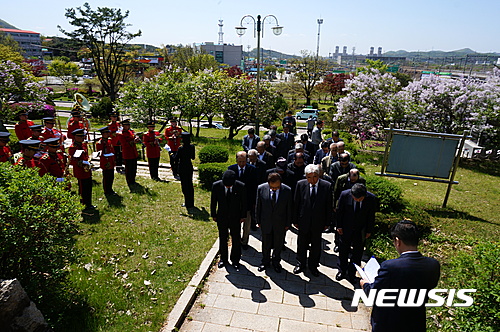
(229, 54)
(29, 41)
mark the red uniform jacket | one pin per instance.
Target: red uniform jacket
(23, 130)
(73, 125)
(53, 133)
(32, 163)
(113, 127)
(105, 146)
(79, 171)
(152, 144)
(127, 140)
(173, 136)
(54, 164)
(5, 154)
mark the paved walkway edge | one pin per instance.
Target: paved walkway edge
(189, 294)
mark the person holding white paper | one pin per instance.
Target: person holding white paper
(410, 271)
(107, 160)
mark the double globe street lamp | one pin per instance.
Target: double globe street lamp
(258, 31)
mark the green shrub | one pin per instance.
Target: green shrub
(315, 105)
(213, 154)
(352, 148)
(14, 142)
(476, 269)
(327, 133)
(347, 137)
(389, 194)
(210, 172)
(102, 109)
(39, 219)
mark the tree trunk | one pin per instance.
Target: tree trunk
(232, 132)
(198, 120)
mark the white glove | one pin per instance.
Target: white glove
(85, 162)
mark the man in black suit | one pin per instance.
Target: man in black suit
(342, 166)
(287, 176)
(355, 221)
(287, 140)
(273, 211)
(248, 175)
(228, 207)
(312, 214)
(410, 271)
(264, 155)
(250, 140)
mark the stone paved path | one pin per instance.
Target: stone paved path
(249, 300)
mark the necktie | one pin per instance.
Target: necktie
(241, 172)
(228, 195)
(286, 137)
(273, 198)
(358, 207)
(313, 193)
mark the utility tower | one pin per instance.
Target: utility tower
(221, 34)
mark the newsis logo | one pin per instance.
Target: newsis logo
(414, 297)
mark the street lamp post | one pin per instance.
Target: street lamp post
(258, 31)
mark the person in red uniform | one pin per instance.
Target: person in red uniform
(79, 154)
(106, 161)
(152, 141)
(74, 124)
(129, 150)
(53, 160)
(36, 133)
(5, 152)
(115, 128)
(173, 135)
(28, 149)
(22, 128)
(50, 132)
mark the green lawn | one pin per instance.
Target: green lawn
(124, 280)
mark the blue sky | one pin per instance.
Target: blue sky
(411, 25)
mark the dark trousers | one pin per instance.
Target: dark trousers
(303, 241)
(224, 231)
(153, 164)
(108, 177)
(174, 162)
(187, 187)
(130, 170)
(85, 190)
(118, 154)
(357, 241)
(273, 240)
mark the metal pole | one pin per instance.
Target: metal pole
(387, 143)
(258, 78)
(455, 166)
(320, 21)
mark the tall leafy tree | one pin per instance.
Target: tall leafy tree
(308, 71)
(66, 71)
(103, 31)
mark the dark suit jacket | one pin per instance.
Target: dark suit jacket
(318, 156)
(287, 177)
(342, 184)
(277, 218)
(268, 159)
(250, 180)
(246, 142)
(362, 220)
(237, 208)
(337, 170)
(260, 168)
(409, 271)
(285, 144)
(313, 217)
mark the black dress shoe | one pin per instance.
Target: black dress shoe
(261, 268)
(297, 269)
(336, 249)
(221, 264)
(340, 276)
(315, 272)
(236, 266)
(277, 268)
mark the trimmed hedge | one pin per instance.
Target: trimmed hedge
(213, 154)
(102, 109)
(389, 194)
(210, 172)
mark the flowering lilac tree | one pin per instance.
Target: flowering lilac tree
(372, 103)
(18, 85)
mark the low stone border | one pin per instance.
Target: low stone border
(189, 294)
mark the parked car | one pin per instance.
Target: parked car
(306, 112)
(213, 125)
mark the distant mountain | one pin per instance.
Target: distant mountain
(437, 54)
(6, 25)
(266, 54)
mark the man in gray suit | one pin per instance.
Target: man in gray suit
(273, 215)
(313, 208)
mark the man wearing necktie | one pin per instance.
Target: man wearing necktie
(313, 206)
(273, 210)
(228, 207)
(247, 174)
(355, 221)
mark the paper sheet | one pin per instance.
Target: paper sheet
(370, 271)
